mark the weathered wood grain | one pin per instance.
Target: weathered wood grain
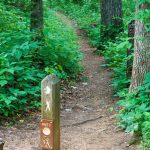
(50, 97)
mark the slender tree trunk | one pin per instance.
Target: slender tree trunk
(131, 32)
(36, 27)
(111, 18)
(141, 63)
(36, 23)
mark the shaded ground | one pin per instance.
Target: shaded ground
(87, 119)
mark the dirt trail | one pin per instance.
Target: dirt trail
(86, 120)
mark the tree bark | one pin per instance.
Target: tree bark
(141, 62)
(131, 32)
(36, 23)
(111, 20)
(111, 12)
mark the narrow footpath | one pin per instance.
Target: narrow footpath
(88, 111)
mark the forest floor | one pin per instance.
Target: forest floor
(88, 111)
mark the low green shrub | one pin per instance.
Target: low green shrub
(20, 85)
(25, 62)
(86, 15)
(19, 76)
(135, 115)
(61, 51)
(115, 57)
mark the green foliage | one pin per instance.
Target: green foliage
(86, 15)
(146, 131)
(61, 51)
(25, 62)
(19, 85)
(128, 11)
(19, 82)
(135, 113)
(23, 5)
(115, 56)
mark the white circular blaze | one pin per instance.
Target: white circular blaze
(46, 131)
(47, 90)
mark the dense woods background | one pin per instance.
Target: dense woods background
(35, 42)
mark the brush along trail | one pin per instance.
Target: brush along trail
(88, 110)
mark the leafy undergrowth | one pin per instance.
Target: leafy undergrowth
(134, 117)
(61, 51)
(86, 15)
(25, 62)
(135, 113)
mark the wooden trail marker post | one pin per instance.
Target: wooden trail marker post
(50, 123)
(131, 33)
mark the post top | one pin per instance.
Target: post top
(52, 78)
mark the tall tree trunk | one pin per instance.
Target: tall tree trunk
(36, 23)
(36, 27)
(141, 63)
(111, 12)
(111, 16)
